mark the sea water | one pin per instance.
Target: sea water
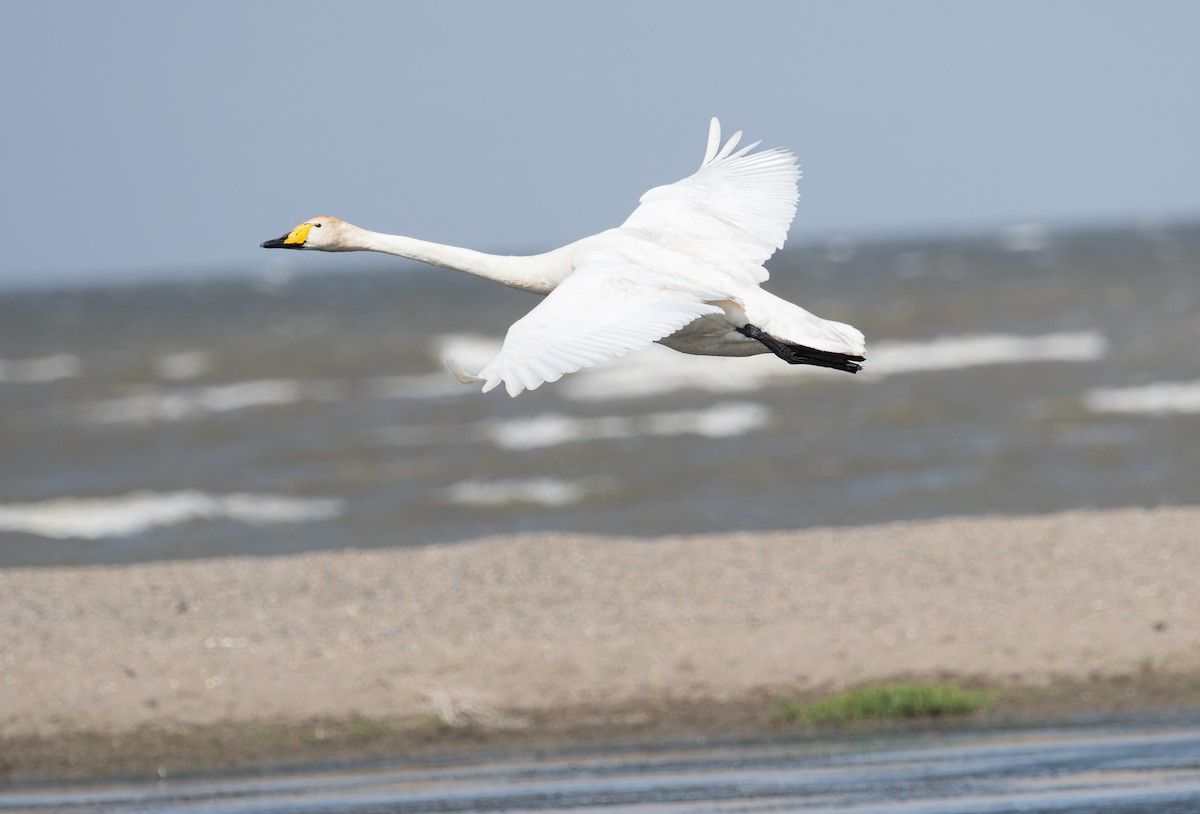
(1018, 372)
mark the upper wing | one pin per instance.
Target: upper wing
(734, 211)
(602, 310)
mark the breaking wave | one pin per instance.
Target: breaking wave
(535, 491)
(135, 512)
(149, 405)
(41, 369)
(1159, 398)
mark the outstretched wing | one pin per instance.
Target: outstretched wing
(602, 310)
(734, 211)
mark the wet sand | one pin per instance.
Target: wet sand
(508, 632)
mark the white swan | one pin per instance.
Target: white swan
(683, 270)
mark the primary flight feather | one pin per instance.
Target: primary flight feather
(685, 270)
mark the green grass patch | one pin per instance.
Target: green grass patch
(886, 702)
(369, 728)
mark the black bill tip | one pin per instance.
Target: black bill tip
(279, 243)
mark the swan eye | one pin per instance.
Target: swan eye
(317, 225)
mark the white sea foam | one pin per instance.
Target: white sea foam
(183, 365)
(976, 350)
(537, 491)
(550, 429)
(150, 405)
(657, 370)
(424, 386)
(1159, 398)
(121, 515)
(41, 369)
(723, 420)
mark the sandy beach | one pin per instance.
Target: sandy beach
(505, 630)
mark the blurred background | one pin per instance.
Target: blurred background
(1002, 196)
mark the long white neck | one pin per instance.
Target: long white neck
(539, 273)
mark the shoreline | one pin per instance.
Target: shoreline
(232, 748)
(525, 639)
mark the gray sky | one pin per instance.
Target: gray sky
(163, 138)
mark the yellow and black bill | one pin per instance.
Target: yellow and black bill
(292, 240)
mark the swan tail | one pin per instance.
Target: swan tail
(845, 338)
(788, 324)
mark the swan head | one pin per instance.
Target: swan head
(323, 233)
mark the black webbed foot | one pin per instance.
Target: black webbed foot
(803, 354)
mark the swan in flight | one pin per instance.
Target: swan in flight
(684, 270)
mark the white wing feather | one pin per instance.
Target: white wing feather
(602, 310)
(734, 211)
(731, 214)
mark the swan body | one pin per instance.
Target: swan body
(684, 270)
